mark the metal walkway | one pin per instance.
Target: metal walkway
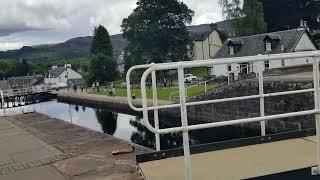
(238, 163)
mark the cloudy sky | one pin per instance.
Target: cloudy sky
(31, 22)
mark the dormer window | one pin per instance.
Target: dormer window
(268, 46)
(270, 41)
(234, 46)
(231, 50)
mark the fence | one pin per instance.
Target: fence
(314, 56)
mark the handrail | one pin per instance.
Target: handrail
(2, 102)
(206, 82)
(185, 128)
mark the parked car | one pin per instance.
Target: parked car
(188, 78)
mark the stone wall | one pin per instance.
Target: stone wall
(250, 108)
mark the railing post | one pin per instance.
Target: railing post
(316, 79)
(205, 86)
(184, 121)
(155, 105)
(262, 112)
(2, 101)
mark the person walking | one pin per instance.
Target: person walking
(93, 87)
(97, 86)
(81, 87)
(75, 88)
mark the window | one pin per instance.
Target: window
(229, 67)
(268, 46)
(231, 49)
(266, 64)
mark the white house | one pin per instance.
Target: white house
(62, 75)
(294, 40)
(208, 38)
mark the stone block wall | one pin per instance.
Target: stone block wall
(250, 108)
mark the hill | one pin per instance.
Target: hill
(79, 47)
(71, 49)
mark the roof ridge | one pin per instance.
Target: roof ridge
(296, 29)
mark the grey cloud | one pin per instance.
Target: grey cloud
(62, 19)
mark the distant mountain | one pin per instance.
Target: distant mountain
(80, 47)
(71, 49)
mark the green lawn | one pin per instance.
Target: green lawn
(197, 71)
(163, 93)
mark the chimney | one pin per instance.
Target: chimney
(303, 24)
(67, 66)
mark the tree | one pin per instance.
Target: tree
(107, 120)
(248, 20)
(287, 14)
(102, 65)
(156, 31)
(252, 21)
(231, 9)
(101, 42)
(102, 68)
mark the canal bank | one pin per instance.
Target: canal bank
(119, 104)
(35, 146)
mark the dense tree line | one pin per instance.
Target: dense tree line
(248, 19)
(286, 14)
(23, 68)
(15, 68)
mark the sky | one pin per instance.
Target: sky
(33, 22)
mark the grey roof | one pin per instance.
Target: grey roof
(197, 33)
(24, 80)
(56, 72)
(235, 41)
(202, 31)
(254, 45)
(272, 36)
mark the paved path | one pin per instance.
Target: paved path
(34, 146)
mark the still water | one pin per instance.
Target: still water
(129, 127)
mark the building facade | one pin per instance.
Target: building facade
(62, 75)
(294, 40)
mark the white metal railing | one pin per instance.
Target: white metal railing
(2, 102)
(185, 128)
(207, 81)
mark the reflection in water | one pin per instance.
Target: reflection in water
(147, 138)
(108, 121)
(131, 128)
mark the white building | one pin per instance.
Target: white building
(294, 40)
(208, 38)
(62, 75)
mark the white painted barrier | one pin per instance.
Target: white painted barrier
(185, 128)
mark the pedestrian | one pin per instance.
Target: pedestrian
(97, 86)
(68, 84)
(81, 87)
(93, 87)
(75, 88)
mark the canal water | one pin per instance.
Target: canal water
(129, 127)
